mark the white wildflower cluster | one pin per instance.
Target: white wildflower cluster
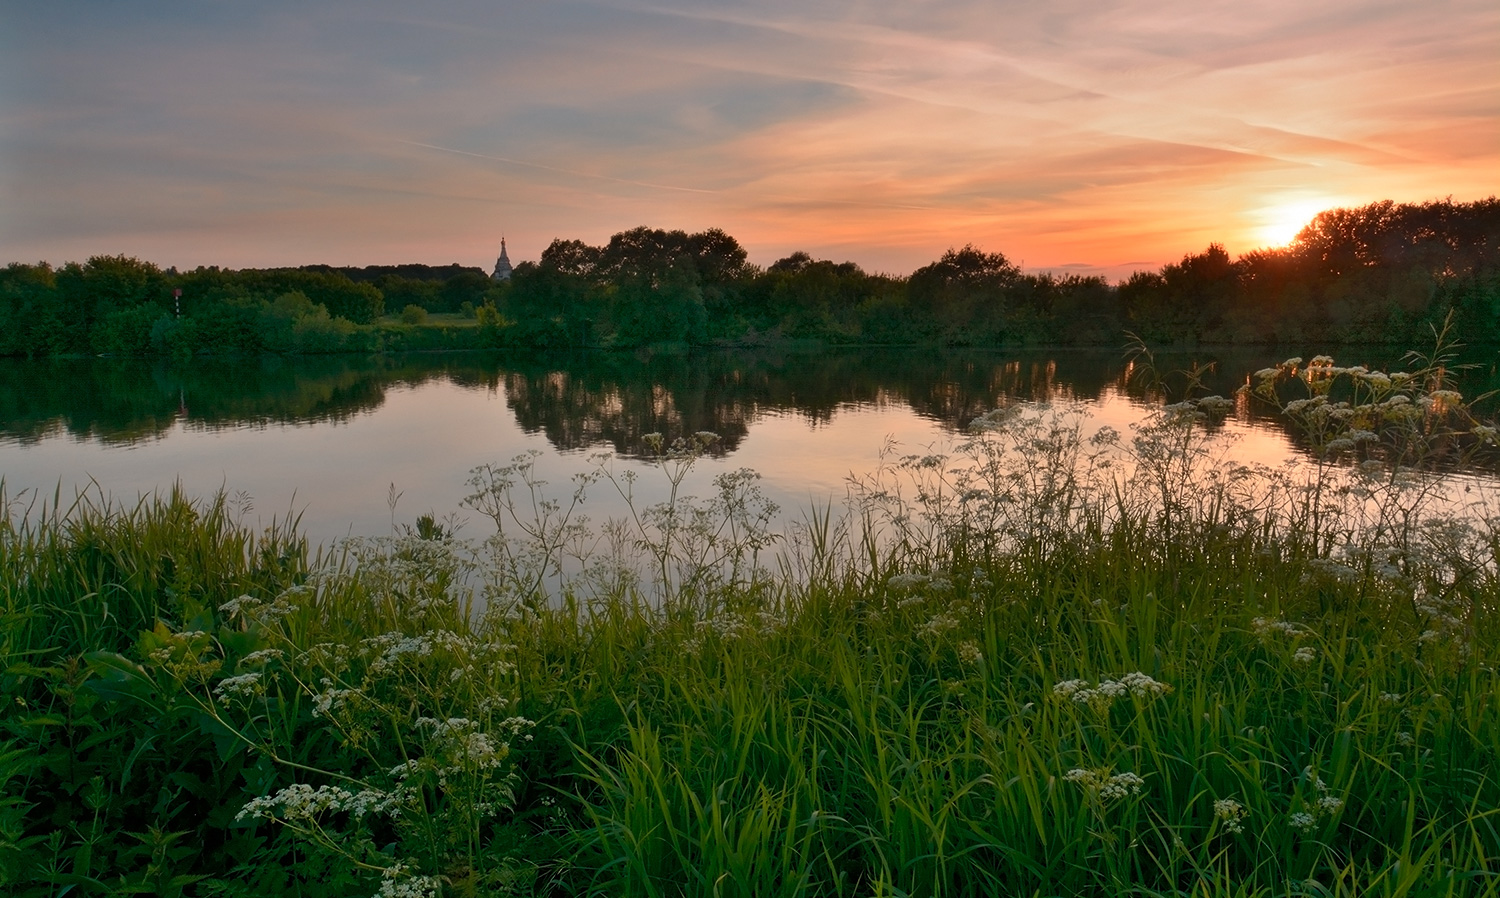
(728, 627)
(1104, 783)
(463, 745)
(1230, 814)
(398, 881)
(1390, 698)
(261, 657)
(332, 655)
(393, 647)
(1271, 630)
(421, 573)
(1103, 695)
(390, 650)
(182, 655)
(969, 653)
(458, 748)
(1442, 400)
(333, 698)
(252, 609)
(240, 605)
(995, 420)
(939, 625)
(1323, 805)
(300, 802)
(1192, 411)
(912, 582)
(1331, 569)
(243, 686)
(1267, 628)
(1443, 621)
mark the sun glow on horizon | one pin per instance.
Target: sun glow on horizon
(1280, 223)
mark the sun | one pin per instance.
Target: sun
(1279, 224)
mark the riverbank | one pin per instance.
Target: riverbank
(1008, 670)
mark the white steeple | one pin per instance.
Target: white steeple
(502, 264)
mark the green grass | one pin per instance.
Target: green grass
(889, 710)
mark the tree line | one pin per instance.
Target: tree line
(1377, 273)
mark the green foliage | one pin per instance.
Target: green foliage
(1376, 274)
(414, 315)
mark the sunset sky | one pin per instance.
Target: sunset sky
(1094, 136)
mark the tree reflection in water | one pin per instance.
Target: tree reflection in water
(591, 399)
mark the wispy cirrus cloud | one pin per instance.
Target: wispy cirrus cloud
(1077, 136)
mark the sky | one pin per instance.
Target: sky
(1088, 136)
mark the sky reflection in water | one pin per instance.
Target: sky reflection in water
(327, 438)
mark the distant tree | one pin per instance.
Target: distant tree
(467, 286)
(571, 257)
(963, 296)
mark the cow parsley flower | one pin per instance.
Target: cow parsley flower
(1231, 814)
(969, 653)
(246, 685)
(1105, 784)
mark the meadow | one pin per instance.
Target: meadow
(1053, 660)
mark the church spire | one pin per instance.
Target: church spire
(502, 264)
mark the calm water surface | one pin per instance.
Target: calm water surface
(328, 438)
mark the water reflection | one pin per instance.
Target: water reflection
(600, 400)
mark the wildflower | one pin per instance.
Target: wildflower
(241, 604)
(1231, 814)
(1405, 739)
(969, 653)
(910, 581)
(1390, 698)
(1141, 685)
(1102, 696)
(261, 657)
(331, 699)
(247, 685)
(1067, 688)
(940, 624)
(1104, 784)
(397, 881)
(394, 646)
(1265, 627)
(1302, 820)
(300, 801)
(1305, 655)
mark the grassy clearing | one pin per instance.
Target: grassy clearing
(1053, 661)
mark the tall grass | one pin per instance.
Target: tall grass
(1053, 660)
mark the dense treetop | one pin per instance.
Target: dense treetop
(1378, 273)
